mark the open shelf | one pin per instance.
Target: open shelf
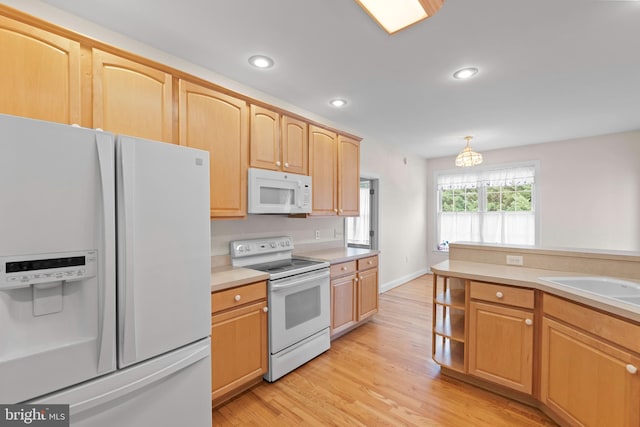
(451, 298)
(452, 326)
(449, 353)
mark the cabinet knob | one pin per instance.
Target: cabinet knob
(343, 268)
(286, 165)
(632, 369)
(278, 163)
(499, 295)
(237, 298)
(335, 210)
(528, 322)
(341, 210)
(370, 262)
(265, 309)
(356, 279)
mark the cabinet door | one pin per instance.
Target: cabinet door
(348, 176)
(501, 345)
(586, 381)
(295, 146)
(367, 293)
(218, 123)
(265, 139)
(343, 303)
(323, 166)
(130, 98)
(238, 348)
(40, 74)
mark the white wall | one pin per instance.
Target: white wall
(402, 210)
(588, 191)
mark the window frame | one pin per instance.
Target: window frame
(482, 200)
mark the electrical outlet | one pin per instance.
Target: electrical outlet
(317, 234)
(515, 260)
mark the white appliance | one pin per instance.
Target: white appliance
(299, 301)
(272, 192)
(104, 275)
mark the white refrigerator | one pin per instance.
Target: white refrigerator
(104, 275)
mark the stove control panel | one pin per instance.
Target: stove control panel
(253, 247)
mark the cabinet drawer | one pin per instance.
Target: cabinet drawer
(621, 332)
(236, 297)
(343, 268)
(502, 294)
(368, 262)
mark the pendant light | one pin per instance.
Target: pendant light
(467, 156)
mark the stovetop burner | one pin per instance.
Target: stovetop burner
(292, 266)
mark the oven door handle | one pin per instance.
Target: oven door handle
(299, 280)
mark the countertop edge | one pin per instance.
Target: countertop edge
(228, 277)
(337, 256)
(528, 278)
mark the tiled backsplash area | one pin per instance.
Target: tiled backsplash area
(302, 230)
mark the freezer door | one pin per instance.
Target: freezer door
(164, 247)
(167, 391)
(57, 257)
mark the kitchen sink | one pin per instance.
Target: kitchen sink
(609, 287)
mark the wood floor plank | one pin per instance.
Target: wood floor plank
(380, 374)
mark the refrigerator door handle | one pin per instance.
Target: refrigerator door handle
(107, 264)
(127, 161)
(189, 359)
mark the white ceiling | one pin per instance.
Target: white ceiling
(549, 69)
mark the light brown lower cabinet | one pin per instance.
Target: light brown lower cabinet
(586, 381)
(501, 331)
(239, 351)
(354, 293)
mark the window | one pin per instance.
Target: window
(487, 206)
(361, 230)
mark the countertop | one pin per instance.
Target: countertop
(230, 277)
(529, 278)
(337, 255)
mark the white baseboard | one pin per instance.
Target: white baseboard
(402, 280)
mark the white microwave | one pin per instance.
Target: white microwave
(272, 192)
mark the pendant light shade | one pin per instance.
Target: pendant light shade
(467, 156)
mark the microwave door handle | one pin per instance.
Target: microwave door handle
(299, 195)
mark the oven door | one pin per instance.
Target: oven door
(299, 307)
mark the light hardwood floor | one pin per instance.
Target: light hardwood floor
(380, 374)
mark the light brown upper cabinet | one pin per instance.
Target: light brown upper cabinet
(334, 165)
(216, 122)
(348, 176)
(323, 168)
(130, 98)
(40, 74)
(278, 142)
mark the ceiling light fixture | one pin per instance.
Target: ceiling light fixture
(467, 156)
(395, 15)
(338, 103)
(261, 61)
(465, 73)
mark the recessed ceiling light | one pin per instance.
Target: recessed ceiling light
(261, 61)
(465, 73)
(338, 103)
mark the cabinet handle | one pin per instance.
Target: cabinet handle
(286, 165)
(278, 163)
(356, 279)
(237, 298)
(343, 268)
(370, 262)
(499, 295)
(265, 309)
(632, 369)
(528, 322)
